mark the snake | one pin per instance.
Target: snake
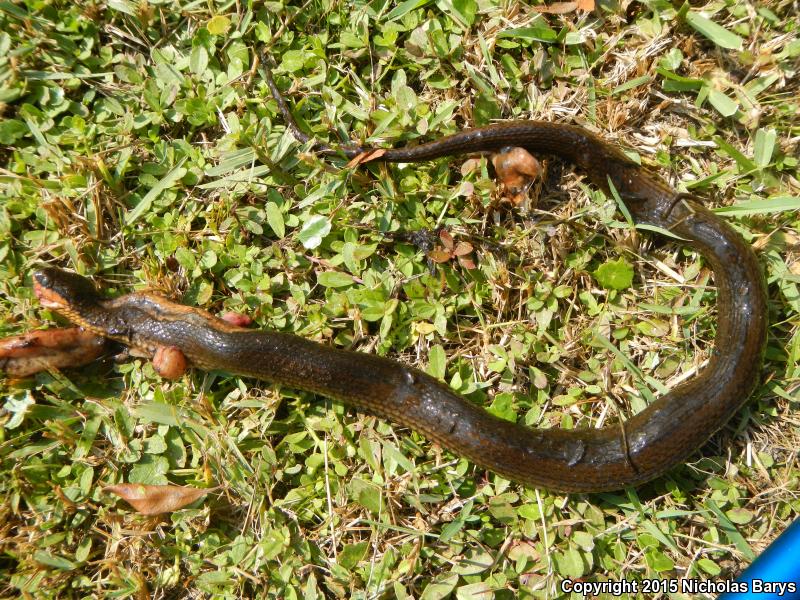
(629, 453)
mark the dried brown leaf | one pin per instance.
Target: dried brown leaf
(561, 8)
(462, 248)
(447, 239)
(471, 164)
(156, 499)
(365, 157)
(439, 256)
(466, 262)
(557, 8)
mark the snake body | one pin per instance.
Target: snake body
(582, 460)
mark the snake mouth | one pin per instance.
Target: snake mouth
(48, 297)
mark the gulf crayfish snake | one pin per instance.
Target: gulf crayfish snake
(581, 460)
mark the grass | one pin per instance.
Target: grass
(140, 146)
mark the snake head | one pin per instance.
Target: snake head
(64, 291)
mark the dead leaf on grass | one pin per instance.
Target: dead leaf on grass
(157, 499)
(365, 157)
(562, 8)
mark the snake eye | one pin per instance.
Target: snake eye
(42, 278)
